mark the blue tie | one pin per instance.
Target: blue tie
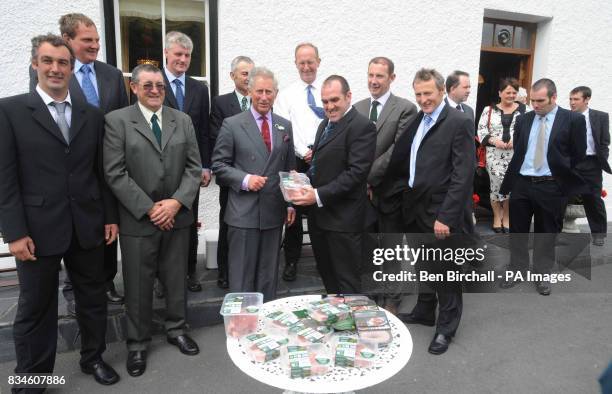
(88, 88)
(180, 98)
(313, 104)
(324, 136)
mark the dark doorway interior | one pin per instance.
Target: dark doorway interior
(493, 66)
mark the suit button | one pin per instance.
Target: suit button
(67, 150)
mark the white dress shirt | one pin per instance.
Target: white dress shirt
(589, 136)
(48, 100)
(382, 100)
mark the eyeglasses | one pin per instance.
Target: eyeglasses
(149, 87)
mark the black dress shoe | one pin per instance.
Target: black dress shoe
(506, 230)
(498, 230)
(543, 288)
(113, 297)
(222, 283)
(410, 318)
(599, 241)
(193, 284)
(439, 344)
(71, 308)
(290, 272)
(136, 362)
(102, 372)
(185, 344)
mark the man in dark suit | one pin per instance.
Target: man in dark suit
(54, 204)
(433, 166)
(549, 142)
(222, 107)
(343, 153)
(152, 164)
(458, 89)
(391, 114)
(596, 161)
(102, 86)
(190, 96)
(252, 147)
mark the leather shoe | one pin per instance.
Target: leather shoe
(222, 283)
(136, 362)
(185, 344)
(113, 297)
(599, 241)
(498, 230)
(439, 344)
(102, 372)
(71, 308)
(411, 318)
(543, 288)
(290, 272)
(193, 284)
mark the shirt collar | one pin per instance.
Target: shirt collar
(48, 99)
(78, 65)
(382, 99)
(240, 96)
(550, 116)
(171, 77)
(436, 112)
(257, 115)
(452, 102)
(147, 113)
(314, 84)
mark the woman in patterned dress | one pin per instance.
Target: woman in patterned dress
(495, 132)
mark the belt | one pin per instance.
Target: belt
(539, 179)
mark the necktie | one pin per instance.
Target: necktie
(265, 133)
(416, 144)
(87, 86)
(244, 105)
(313, 104)
(326, 133)
(180, 98)
(459, 107)
(61, 120)
(156, 129)
(538, 159)
(374, 111)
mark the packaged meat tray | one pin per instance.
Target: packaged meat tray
(373, 327)
(323, 311)
(305, 361)
(292, 184)
(240, 313)
(279, 322)
(262, 347)
(352, 352)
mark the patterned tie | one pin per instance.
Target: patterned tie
(326, 133)
(156, 129)
(538, 159)
(245, 104)
(180, 98)
(61, 119)
(87, 86)
(374, 111)
(459, 107)
(265, 132)
(427, 119)
(313, 104)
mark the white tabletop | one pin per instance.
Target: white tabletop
(388, 362)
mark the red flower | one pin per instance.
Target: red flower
(475, 198)
(604, 193)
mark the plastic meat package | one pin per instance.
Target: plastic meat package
(373, 326)
(352, 352)
(262, 347)
(305, 361)
(241, 313)
(292, 184)
(325, 312)
(279, 322)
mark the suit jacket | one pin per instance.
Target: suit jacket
(469, 111)
(47, 187)
(600, 127)
(140, 173)
(395, 117)
(445, 166)
(196, 105)
(342, 163)
(239, 151)
(111, 87)
(566, 148)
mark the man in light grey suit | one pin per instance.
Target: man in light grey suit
(252, 147)
(152, 165)
(391, 114)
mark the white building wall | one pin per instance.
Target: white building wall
(572, 44)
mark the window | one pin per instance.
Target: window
(141, 25)
(507, 34)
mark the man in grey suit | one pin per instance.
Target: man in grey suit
(391, 114)
(152, 164)
(252, 147)
(457, 92)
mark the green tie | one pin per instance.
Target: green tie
(156, 129)
(374, 111)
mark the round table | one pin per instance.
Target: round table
(389, 361)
